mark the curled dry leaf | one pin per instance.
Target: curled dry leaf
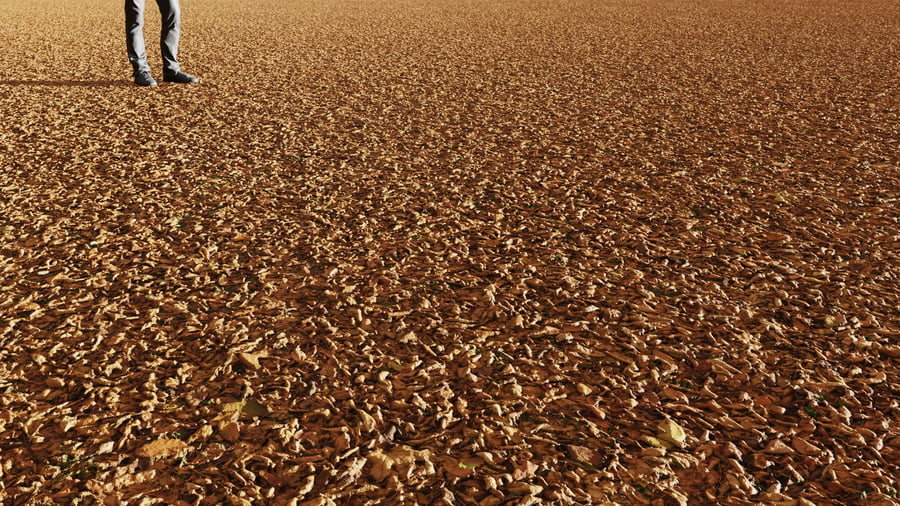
(804, 447)
(306, 485)
(367, 421)
(251, 360)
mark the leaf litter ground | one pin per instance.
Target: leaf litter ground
(511, 252)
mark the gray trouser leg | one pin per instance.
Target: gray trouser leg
(170, 12)
(171, 31)
(134, 34)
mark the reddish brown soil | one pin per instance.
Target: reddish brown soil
(460, 252)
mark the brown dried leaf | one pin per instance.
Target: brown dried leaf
(776, 446)
(231, 431)
(581, 454)
(805, 447)
(162, 448)
(251, 360)
(672, 432)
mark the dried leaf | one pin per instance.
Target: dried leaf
(581, 454)
(519, 488)
(251, 360)
(55, 382)
(162, 448)
(231, 431)
(803, 446)
(367, 422)
(778, 447)
(672, 432)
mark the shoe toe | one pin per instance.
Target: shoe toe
(181, 77)
(144, 79)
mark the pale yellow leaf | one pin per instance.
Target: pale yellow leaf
(162, 448)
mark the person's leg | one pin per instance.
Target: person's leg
(134, 35)
(168, 42)
(171, 32)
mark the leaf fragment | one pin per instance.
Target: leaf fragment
(231, 431)
(777, 446)
(251, 360)
(670, 431)
(162, 448)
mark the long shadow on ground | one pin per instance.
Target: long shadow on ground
(63, 82)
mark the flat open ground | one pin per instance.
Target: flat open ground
(459, 252)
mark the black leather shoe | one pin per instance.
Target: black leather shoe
(179, 77)
(143, 78)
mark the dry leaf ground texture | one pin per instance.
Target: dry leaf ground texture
(460, 252)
